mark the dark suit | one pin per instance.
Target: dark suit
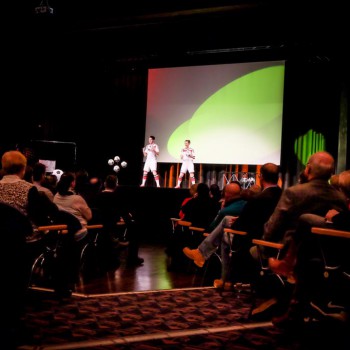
(257, 211)
(315, 197)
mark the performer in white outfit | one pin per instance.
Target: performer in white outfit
(187, 155)
(151, 152)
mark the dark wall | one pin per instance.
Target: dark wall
(88, 85)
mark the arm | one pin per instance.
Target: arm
(275, 227)
(84, 208)
(156, 150)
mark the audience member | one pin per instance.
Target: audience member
(111, 209)
(50, 182)
(39, 176)
(232, 204)
(193, 194)
(22, 210)
(302, 262)
(201, 210)
(216, 194)
(27, 198)
(85, 186)
(75, 204)
(251, 219)
(315, 196)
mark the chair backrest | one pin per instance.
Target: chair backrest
(72, 222)
(14, 228)
(334, 248)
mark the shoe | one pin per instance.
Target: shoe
(265, 310)
(177, 186)
(283, 268)
(142, 185)
(220, 285)
(195, 255)
(135, 261)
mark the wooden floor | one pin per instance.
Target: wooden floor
(152, 275)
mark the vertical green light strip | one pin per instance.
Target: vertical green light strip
(308, 144)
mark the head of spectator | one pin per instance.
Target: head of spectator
(202, 190)
(111, 183)
(28, 174)
(319, 166)
(39, 172)
(215, 191)
(269, 175)
(14, 163)
(51, 182)
(66, 184)
(232, 191)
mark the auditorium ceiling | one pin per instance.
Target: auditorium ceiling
(146, 30)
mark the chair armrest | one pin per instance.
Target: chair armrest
(48, 228)
(198, 229)
(184, 223)
(330, 232)
(267, 243)
(95, 226)
(235, 232)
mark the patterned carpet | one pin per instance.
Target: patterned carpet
(201, 318)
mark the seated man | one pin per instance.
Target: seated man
(111, 207)
(313, 194)
(251, 219)
(302, 257)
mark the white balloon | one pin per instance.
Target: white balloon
(110, 161)
(116, 159)
(116, 168)
(123, 164)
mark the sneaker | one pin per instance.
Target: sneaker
(195, 255)
(220, 285)
(265, 310)
(177, 186)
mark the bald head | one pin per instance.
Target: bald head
(232, 191)
(320, 166)
(14, 162)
